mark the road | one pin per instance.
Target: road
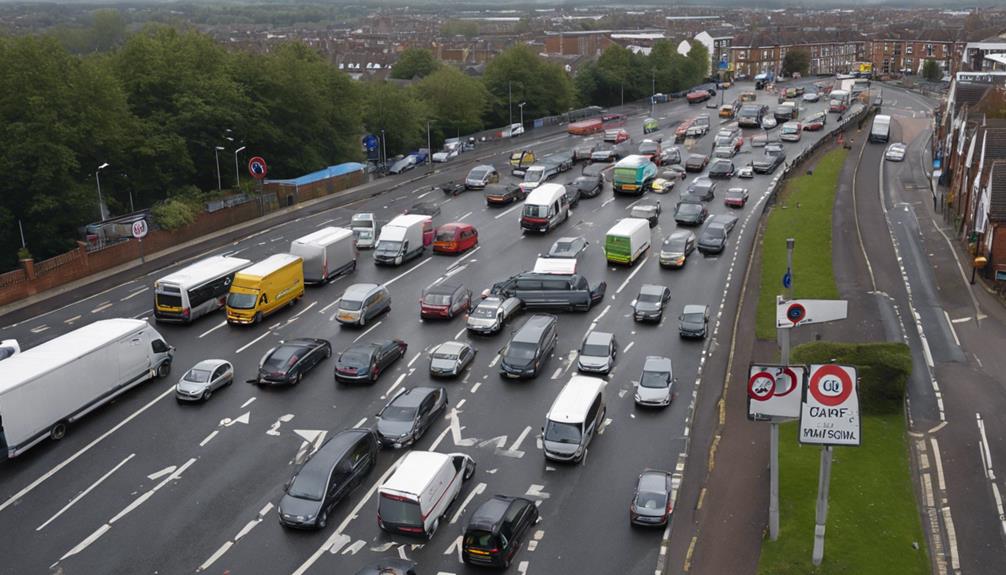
(146, 484)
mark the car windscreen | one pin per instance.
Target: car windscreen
(480, 539)
(478, 173)
(649, 297)
(445, 236)
(653, 379)
(734, 194)
(309, 484)
(675, 244)
(281, 357)
(594, 350)
(651, 500)
(702, 185)
(535, 211)
(562, 248)
(241, 300)
(789, 130)
(197, 376)
(521, 350)
(350, 304)
(715, 232)
(436, 299)
(484, 312)
(355, 358)
(362, 223)
(398, 413)
(648, 148)
(388, 246)
(692, 317)
(688, 209)
(449, 355)
(562, 432)
(585, 183)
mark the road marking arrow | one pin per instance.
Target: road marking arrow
(536, 491)
(455, 546)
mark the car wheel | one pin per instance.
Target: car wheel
(328, 352)
(207, 394)
(257, 318)
(299, 377)
(58, 431)
(433, 528)
(322, 520)
(164, 369)
(469, 470)
(363, 319)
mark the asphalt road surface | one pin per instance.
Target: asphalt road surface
(148, 485)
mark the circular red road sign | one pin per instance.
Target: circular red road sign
(795, 313)
(830, 385)
(786, 383)
(257, 167)
(761, 386)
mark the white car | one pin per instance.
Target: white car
(769, 122)
(9, 348)
(515, 129)
(811, 97)
(746, 172)
(444, 155)
(895, 152)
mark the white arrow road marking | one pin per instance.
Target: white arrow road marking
(243, 418)
(158, 474)
(455, 546)
(274, 428)
(456, 431)
(471, 495)
(313, 438)
(352, 549)
(514, 450)
(247, 403)
(604, 425)
(499, 441)
(339, 541)
(536, 491)
(85, 492)
(401, 552)
(384, 547)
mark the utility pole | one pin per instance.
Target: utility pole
(102, 211)
(429, 145)
(509, 98)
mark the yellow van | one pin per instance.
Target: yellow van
(264, 287)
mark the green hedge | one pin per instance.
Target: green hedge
(883, 369)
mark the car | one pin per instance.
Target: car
(791, 132)
(582, 151)
(696, 162)
(444, 301)
(568, 247)
(895, 152)
(675, 248)
(530, 347)
(811, 97)
(650, 125)
(367, 360)
(701, 189)
(662, 185)
(491, 314)
(774, 156)
(498, 194)
(674, 171)
(769, 122)
(9, 348)
(698, 96)
(597, 353)
(497, 530)
(649, 303)
(572, 196)
(451, 358)
(424, 209)
(651, 502)
(760, 140)
(648, 211)
(445, 155)
(748, 96)
(729, 137)
(516, 129)
(713, 238)
(389, 567)
(403, 165)
(690, 213)
(288, 362)
(815, 122)
(587, 186)
(455, 238)
(746, 171)
(722, 168)
(616, 135)
(693, 321)
(604, 152)
(670, 156)
(656, 382)
(451, 188)
(205, 377)
(409, 414)
(362, 302)
(594, 171)
(481, 176)
(736, 197)
(725, 152)
(650, 149)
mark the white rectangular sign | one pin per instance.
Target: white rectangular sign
(803, 311)
(829, 410)
(774, 391)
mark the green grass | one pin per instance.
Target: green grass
(810, 225)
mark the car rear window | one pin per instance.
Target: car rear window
(399, 511)
(480, 539)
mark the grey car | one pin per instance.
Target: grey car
(568, 247)
(694, 321)
(649, 304)
(207, 376)
(651, 503)
(491, 314)
(597, 353)
(409, 414)
(451, 358)
(656, 382)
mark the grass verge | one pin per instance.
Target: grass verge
(810, 225)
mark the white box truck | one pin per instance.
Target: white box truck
(627, 240)
(327, 253)
(46, 388)
(403, 238)
(418, 493)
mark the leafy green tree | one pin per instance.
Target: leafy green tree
(796, 60)
(456, 101)
(414, 63)
(398, 112)
(545, 87)
(931, 71)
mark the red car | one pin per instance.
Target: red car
(444, 301)
(815, 122)
(698, 96)
(455, 238)
(736, 197)
(616, 135)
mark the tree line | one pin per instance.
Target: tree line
(163, 107)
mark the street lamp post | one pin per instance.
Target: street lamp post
(509, 100)
(130, 191)
(429, 145)
(216, 153)
(237, 172)
(521, 106)
(653, 87)
(384, 153)
(102, 211)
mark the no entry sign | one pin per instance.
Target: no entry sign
(774, 391)
(829, 410)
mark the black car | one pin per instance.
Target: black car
(702, 189)
(451, 188)
(408, 415)
(497, 530)
(650, 302)
(389, 567)
(498, 194)
(651, 503)
(696, 162)
(674, 171)
(290, 360)
(775, 155)
(722, 168)
(328, 476)
(424, 209)
(572, 195)
(530, 347)
(587, 186)
(693, 321)
(551, 291)
(670, 155)
(594, 170)
(690, 213)
(713, 238)
(367, 360)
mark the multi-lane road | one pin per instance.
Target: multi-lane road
(148, 485)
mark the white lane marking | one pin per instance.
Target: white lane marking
(370, 329)
(275, 325)
(464, 257)
(508, 210)
(961, 319)
(475, 387)
(102, 307)
(456, 428)
(76, 317)
(454, 546)
(159, 474)
(423, 195)
(85, 492)
(274, 428)
(495, 360)
(557, 373)
(984, 448)
(276, 239)
(471, 495)
(355, 547)
(522, 567)
(361, 422)
(209, 438)
(43, 327)
(515, 446)
(440, 438)
(135, 293)
(608, 201)
(939, 464)
(604, 425)
(253, 342)
(303, 311)
(228, 544)
(213, 329)
(464, 216)
(952, 330)
(31, 486)
(326, 308)
(414, 358)
(398, 382)
(406, 272)
(639, 265)
(628, 347)
(460, 403)
(328, 221)
(247, 403)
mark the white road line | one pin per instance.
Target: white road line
(628, 347)
(31, 486)
(939, 464)
(253, 342)
(443, 434)
(515, 446)
(961, 319)
(135, 293)
(361, 422)
(247, 403)
(39, 329)
(326, 308)
(76, 317)
(301, 312)
(423, 195)
(639, 265)
(464, 257)
(406, 272)
(608, 201)
(85, 492)
(228, 544)
(209, 438)
(414, 358)
(508, 210)
(393, 386)
(464, 216)
(475, 387)
(213, 329)
(471, 495)
(328, 221)
(986, 454)
(370, 329)
(557, 373)
(102, 307)
(460, 333)
(952, 330)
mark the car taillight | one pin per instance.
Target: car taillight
(411, 529)
(185, 312)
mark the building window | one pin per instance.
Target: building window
(929, 50)
(908, 49)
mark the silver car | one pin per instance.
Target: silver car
(656, 383)
(491, 314)
(895, 152)
(597, 354)
(207, 376)
(451, 358)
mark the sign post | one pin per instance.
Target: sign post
(783, 337)
(140, 230)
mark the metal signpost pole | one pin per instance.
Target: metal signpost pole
(823, 482)
(783, 335)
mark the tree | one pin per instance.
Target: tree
(414, 63)
(398, 112)
(931, 71)
(545, 87)
(456, 101)
(796, 60)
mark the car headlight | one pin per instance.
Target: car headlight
(637, 397)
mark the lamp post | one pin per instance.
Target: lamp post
(237, 172)
(521, 106)
(216, 153)
(130, 191)
(429, 145)
(384, 153)
(653, 87)
(509, 100)
(102, 211)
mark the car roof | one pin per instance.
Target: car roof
(454, 226)
(652, 289)
(657, 363)
(575, 399)
(412, 396)
(736, 190)
(388, 567)
(210, 364)
(694, 308)
(359, 291)
(482, 167)
(533, 327)
(444, 288)
(364, 346)
(332, 450)
(723, 218)
(681, 234)
(652, 480)
(599, 337)
(489, 515)
(452, 346)
(298, 342)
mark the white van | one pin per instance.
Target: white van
(627, 240)
(574, 419)
(419, 493)
(327, 253)
(544, 208)
(403, 238)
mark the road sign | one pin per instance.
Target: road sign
(787, 279)
(774, 391)
(370, 142)
(829, 408)
(257, 168)
(804, 311)
(140, 229)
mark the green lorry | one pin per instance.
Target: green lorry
(633, 175)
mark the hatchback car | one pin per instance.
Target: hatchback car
(530, 347)
(791, 132)
(498, 194)
(674, 171)
(651, 502)
(895, 152)
(497, 530)
(367, 360)
(696, 162)
(205, 377)
(690, 213)
(774, 156)
(588, 186)
(811, 97)
(389, 567)
(650, 302)
(568, 247)
(815, 122)
(701, 189)
(290, 360)
(444, 301)
(481, 176)
(724, 152)
(402, 165)
(656, 383)
(693, 321)
(455, 238)
(722, 168)
(769, 122)
(670, 155)
(650, 125)
(650, 149)
(451, 358)
(662, 185)
(713, 238)
(491, 314)
(597, 353)
(736, 197)
(746, 172)
(605, 152)
(675, 249)
(649, 211)
(409, 414)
